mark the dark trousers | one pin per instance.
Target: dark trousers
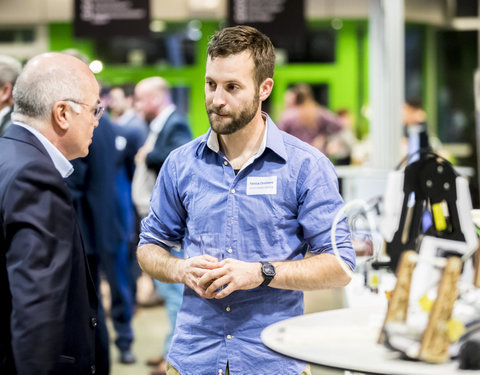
(117, 271)
(102, 353)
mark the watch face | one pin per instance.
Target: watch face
(268, 269)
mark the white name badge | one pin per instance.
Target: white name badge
(261, 185)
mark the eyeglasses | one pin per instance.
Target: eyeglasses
(97, 110)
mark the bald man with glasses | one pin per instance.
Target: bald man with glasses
(48, 317)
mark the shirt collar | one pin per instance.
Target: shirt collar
(272, 139)
(4, 111)
(275, 140)
(62, 165)
(158, 122)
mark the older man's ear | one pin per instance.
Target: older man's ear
(61, 116)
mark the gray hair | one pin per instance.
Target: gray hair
(10, 69)
(35, 94)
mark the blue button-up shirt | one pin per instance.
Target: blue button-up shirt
(276, 208)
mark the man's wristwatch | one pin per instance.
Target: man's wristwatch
(268, 273)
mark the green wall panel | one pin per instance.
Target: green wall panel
(346, 77)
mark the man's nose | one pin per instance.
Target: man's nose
(218, 97)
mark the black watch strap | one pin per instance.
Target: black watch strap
(268, 273)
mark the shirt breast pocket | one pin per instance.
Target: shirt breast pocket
(267, 219)
(205, 203)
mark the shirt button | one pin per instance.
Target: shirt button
(226, 163)
(229, 337)
(233, 191)
(228, 308)
(93, 322)
(230, 250)
(92, 369)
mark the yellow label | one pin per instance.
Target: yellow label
(425, 303)
(439, 217)
(388, 294)
(455, 329)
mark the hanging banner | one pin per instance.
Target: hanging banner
(281, 20)
(104, 18)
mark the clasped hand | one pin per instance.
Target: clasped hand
(210, 278)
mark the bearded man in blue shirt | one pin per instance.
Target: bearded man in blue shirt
(246, 201)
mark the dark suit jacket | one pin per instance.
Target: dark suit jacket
(47, 315)
(175, 133)
(95, 199)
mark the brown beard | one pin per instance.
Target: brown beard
(238, 120)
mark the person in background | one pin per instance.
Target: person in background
(49, 310)
(118, 104)
(245, 201)
(168, 130)
(413, 113)
(131, 127)
(415, 136)
(10, 69)
(132, 132)
(307, 120)
(122, 109)
(97, 205)
(340, 145)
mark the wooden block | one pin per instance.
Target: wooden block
(398, 305)
(435, 341)
(476, 265)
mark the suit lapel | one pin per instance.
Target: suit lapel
(21, 134)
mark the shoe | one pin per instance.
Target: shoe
(127, 357)
(158, 372)
(161, 369)
(155, 361)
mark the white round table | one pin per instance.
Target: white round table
(347, 339)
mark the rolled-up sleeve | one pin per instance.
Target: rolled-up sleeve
(319, 202)
(165, 223)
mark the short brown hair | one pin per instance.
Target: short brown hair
(236, 39)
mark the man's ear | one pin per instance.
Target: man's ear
(61, 116)
(6, 93)
(265, 89)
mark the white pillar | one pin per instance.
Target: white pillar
(386, 72)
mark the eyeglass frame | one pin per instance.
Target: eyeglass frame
(97, 111)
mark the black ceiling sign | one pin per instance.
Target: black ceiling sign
(279, 19)
(104, 18)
